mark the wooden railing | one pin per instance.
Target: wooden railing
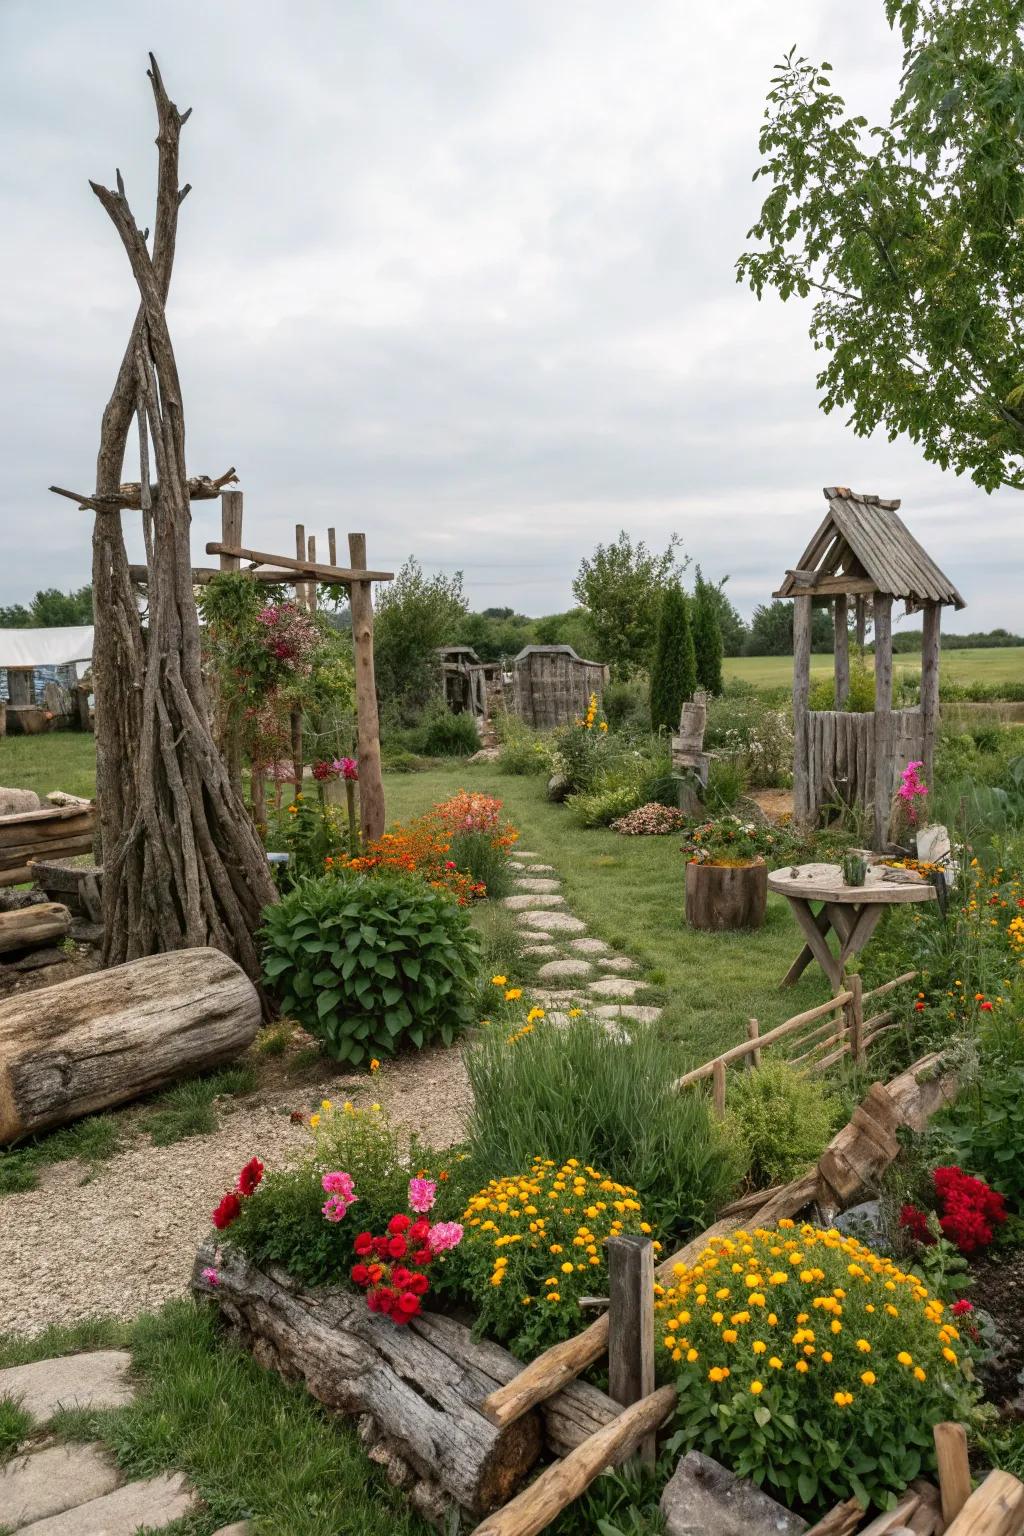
(838, 1028)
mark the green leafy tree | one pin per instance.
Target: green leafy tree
(621, 586)
(771, 631)
(415, 615)
(50, 609)
(707, 637)
(571, 628)
(910, 234)
(674, 669)
(731, 626)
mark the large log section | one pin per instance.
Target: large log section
(112, 1035)
(423, 1384)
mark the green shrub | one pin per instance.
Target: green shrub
(369, 964)
(727, 781)
(308, 833)
(984, 1129)
(523, 751)
(578, 1091)
(707, 635)
(400, 760)
(674, 667)
(757, 728)
(479, 855)
(627, 705)
(859, 701)
(600, 807)
(446, 735)
(781, 1121)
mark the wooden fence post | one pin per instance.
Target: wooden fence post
(753, 1033)
(954, 1469)
(855, 1019)
(231, 534)
(631, 1325)
(371, 784)
(718, 1085)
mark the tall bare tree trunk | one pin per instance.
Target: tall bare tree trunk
(183, 865)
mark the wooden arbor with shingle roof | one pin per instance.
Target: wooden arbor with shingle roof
(864, 552)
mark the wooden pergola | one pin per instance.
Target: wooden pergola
(862, 553)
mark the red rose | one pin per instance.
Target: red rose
(961, 1308)
(399, 1319)
(360, 1274)
(364, 1244)
(228, 1211)
(373, 1301)
(408, 1304)
(418, 1231)
(250, 1176)
(419, 1285)
(398, 1224)
(400, 1277)
(380, 1247)
(397, 1247)
(386, 1300)
(985, 1007)
(919, 1006)
(422, 1257)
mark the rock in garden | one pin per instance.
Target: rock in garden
(545, 887)
(864, 1222)
(703, 1498)
(617, 963)
(50, 1481)
(241, 1527)
(14, 801)
(616, 986)
(541, 869)
(552, 922)
(149, 1505)
(533, 903)
(485, 755)
(95, 1380)
(541, 951)
(564, 970)
(637, 1012)
(558, 787)
(590, 946)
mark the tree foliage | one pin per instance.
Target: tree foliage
(771, 630)
(50, 608)
(911, 235)
(731, 626)
(674, 669)
(707, 637)
(621, 586)
(416, 614)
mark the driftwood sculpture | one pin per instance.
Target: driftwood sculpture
(183, 865)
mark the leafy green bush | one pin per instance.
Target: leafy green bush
(577, 1091)
(484, 860)
(757, 728)
(308, 833)
(370, 964)
(984, 1129)
(446, 735)
(674, 666)
(727, 780)
(627, 705)
(861, 698)
(600, 807)
(781, 1121)
(523, 751)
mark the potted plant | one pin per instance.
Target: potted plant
(727, 873)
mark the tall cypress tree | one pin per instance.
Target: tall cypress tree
(674, 670)
(707, 638)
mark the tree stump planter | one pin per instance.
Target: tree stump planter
(723, 897)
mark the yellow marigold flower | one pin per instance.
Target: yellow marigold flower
(723, 1294)
(826, 1355)
(717, 1373)
(314, 1121)
(836, 1325)
(802, 1366)
(864, 1346)
(499, 981)
(374, 1064)
(375, 1108)
(775, 1363)
(717, 1317)
(729, 1335)
(759, 1347)
(553, 1296)
(904, 1358)
(513, 994)
(868, 1378)
(567, 1269)
(948, 1354)
(842, 1399)
(692, 1355)
(757, 1387)
(919, 1374)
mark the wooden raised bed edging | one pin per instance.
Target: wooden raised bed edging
(422, 1384)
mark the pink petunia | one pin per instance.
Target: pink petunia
(444, 1235)
(211, 1276)
(422, 1194)
(339, 1184)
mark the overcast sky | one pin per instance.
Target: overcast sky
(458, 273)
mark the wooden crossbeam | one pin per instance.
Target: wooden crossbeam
(203, 574)
(810, 584)
(330, 575)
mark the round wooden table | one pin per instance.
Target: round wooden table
(852, 911)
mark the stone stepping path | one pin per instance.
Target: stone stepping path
(76, 1489)
(589, 970)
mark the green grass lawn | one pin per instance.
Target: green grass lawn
(629, 890)
(968, 666)
(59, 760)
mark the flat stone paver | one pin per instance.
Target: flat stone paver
(543, 887)
(616, 986)
(551, 922)
(516, 864)
(240, 1528)
(49, 1481)
(638, 1012)
(524, 854)
(96, 1380)
(547, 951)
(617, 963)
(154, 1503)
(553, 997)
(590, 946)
(565, 970)
(533, 903)
(541, 869)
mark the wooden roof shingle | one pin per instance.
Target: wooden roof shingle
(863, 538)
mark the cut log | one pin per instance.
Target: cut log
(101, 1039)
(994, 1509)
(722, 897)
(30, 927)
(422, 1383)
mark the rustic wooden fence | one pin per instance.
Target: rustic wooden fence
(814, 1040)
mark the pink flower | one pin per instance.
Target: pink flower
(444, 1235)
(422, 1194)
(339, 1184)
(211, 1276)
(347, 767)
(335, 1207)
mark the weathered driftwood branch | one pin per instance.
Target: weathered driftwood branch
(558, 1485)
(129, 496)
(28, 927)
(111, 1036)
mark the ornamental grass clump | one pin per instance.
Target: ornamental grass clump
(534, 1244)
(809, 1363)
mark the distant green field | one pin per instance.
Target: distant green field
(974, 666)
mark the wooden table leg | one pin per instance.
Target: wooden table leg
(867, 920)
(817, 939)
(806, 955)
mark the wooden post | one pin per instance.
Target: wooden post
(930, 647)
(994, 1509)
(21, 685)
(311, 586)
(840, 609)
(231, 533)
(803, 810)
(371, 784)
(300, 554)
(332, 547)
(753, 1033)
(855, 1019)
(883, 715)
(631, 1325)
(718, 1086)
(860, 619)
(296, 717)
(954, 1469)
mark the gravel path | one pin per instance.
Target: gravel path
(123, 1242)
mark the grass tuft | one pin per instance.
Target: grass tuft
(275, 1041)
(188, 1109)
(15, 1426)
(93, 1140)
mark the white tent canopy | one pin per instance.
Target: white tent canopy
(60, 647)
